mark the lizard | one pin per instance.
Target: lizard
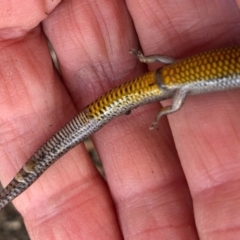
(210, 71)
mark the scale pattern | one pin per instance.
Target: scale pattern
(215, 64)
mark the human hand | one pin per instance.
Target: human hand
(158, 188)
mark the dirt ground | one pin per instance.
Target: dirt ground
(11, 224)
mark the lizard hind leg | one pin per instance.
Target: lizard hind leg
(178, 100)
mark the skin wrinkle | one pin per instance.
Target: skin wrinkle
(223, 229)
(107, 36)
(158, 185)
(91, 85)
(102, 75)
(6, 92)
(98, 36)
(96, 68)
(51, 210)
(207, 8)
(20, 71)
(194, 26)
(6, 151)
(225, 207)
(211, 189)
(227, 143)
(223, 135)
(134, 203)
(84, 172)
(6, 129)
(231, 121)
(161, 25)
(208, 143)
(65, 206)
(27, 94)
(13, 91)
(200, 155)
(207, 174)
(150, 232)
(76, 35)
(220, 200)
(235, 131)
(123, 41)
(46, 105)
(222, 232)
(67, 234)
(102, 35)
(149, 10)
(82, 36)
(179, 27)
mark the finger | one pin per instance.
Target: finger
(206, 132)
(98, 47)
(131, 154)
(90, 63)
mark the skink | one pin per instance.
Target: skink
(206, 72)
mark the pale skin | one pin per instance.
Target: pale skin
(178, 182)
